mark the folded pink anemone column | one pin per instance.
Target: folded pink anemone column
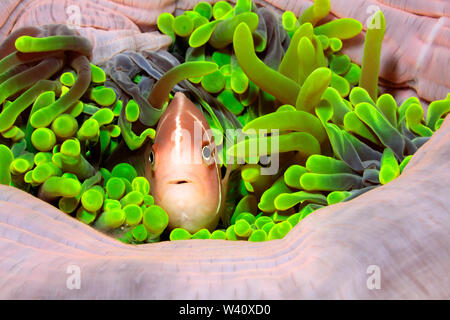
(112, 26)
(416, 43)
(400, 230)
(415, 48)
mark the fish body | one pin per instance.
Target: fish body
(183, 169)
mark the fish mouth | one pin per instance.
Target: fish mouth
(179, 181)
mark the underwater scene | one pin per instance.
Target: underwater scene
(245, 118)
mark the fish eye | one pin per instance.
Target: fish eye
(206, 153)
(151, 157)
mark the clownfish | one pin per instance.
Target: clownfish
(183, 170)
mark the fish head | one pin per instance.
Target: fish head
(183, 167)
